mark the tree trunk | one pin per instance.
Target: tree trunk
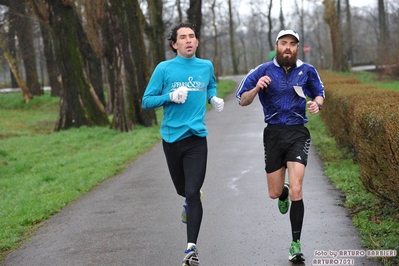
(332, 20)
(383, 51)
(139, 80)
(348, 32)
(116, 50)
(281, 17)
(215, 41)
(51, 65)
(14, 68)
(11, 45)
(232, 40)
(194, 15)
(24, 28)
(179, 11)
(79, 104)
(270, 22)
(93, 68)
(155, 31)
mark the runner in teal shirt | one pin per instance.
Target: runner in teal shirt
(181, 120)
(183, 86)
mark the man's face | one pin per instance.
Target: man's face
(287, 51)
(186, 43)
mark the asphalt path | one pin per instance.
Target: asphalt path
(134, 218)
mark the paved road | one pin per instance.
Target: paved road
(134, 218)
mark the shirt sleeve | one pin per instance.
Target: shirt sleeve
(211, 90)
(248, 83)
(314, 86)
(154, 95)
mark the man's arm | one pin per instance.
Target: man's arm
(248, 96)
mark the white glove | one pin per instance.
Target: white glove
(217, 103)
(179, 95)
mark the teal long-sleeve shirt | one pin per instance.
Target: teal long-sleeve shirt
(181, 120)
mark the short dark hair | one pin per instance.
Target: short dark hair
(173, 33)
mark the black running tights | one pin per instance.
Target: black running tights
(187, 161)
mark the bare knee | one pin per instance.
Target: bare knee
(273, 195)
(296, 193)
(275, 182)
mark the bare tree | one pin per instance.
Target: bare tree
(79, 105)
(127, 63)
(281, 16)
(348, 32)
(20, 38)
(215, 40)
(117, 48)
(23, 24)
(332, 20)
(14, 68)
(52, 66)
(383, 54)
(301, 25)
(155, 30)
(179, 11)
(270, 24)
(194, 15)
(232, 39)
(140, 68)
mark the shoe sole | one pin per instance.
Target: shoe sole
(298, 257)
(193, 261)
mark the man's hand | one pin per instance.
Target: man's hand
(263, 83)
(179, 95)
(217, 103)
(313, 107)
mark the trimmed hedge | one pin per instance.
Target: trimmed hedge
(365, 118)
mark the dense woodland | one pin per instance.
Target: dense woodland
(98, 55)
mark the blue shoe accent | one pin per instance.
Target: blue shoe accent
(191, 257)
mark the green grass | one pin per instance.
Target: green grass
(18, 118)
(41, 171)
(372, 78)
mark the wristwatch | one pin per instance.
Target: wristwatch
(318, 105)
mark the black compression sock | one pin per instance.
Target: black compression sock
(284, 194)
(296, 217)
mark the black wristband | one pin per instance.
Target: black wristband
(318, 105)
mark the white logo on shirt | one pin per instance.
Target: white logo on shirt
(190, 84)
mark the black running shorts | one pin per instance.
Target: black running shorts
(285, 144)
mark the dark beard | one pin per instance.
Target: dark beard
(286, 61)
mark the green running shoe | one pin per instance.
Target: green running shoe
(295, 252)
(284, 205)
(184, 212)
